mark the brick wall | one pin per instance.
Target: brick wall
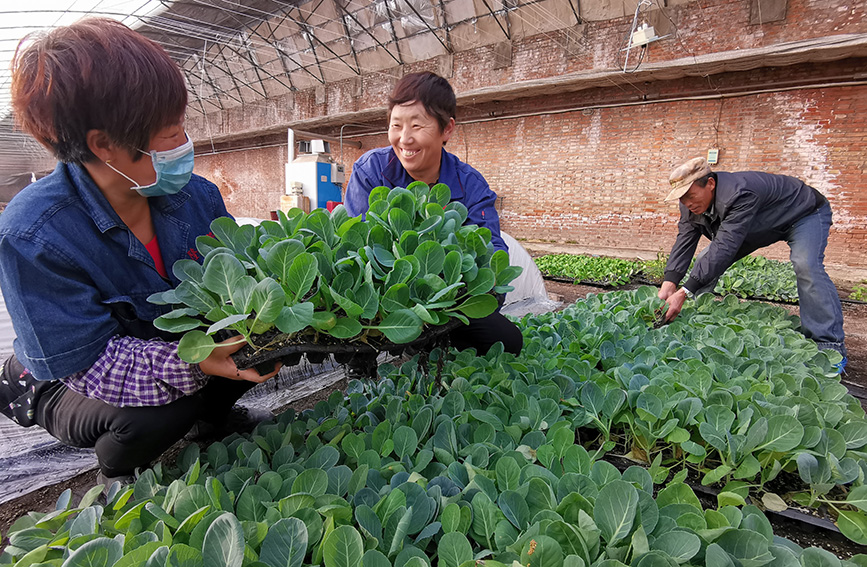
(251, 181)
(595, 176)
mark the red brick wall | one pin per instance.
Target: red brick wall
(251, 181)
(597, 178)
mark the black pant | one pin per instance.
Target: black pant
(481, 334)
(130, 437)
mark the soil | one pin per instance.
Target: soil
(855, 325)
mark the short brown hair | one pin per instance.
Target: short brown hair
(432, 91)
(96, 74)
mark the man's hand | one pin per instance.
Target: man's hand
(666, 289)
(220, 363)
(675, 304)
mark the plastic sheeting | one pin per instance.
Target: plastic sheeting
(529, 295)
(30, 458)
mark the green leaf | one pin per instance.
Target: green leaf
(142, 554)
(514, 507)
(482, 283)
(452, 267)
(311, 481)
(295, 318)
(280, 256)
(319, 223)
(100, 552)
(750, 549)
(486, 515)
(195, 346)
(345, 328)
(854, 434)
(301, 275)
(375, 558)
(188, 270)
(440, 194)
(368, 521)
(678, 493)
(396, 298)
(478, 306)
(401, 326)
(508, 474)
(222, 273)
(680, 546)
(399, 221)
(224, 542)
(451, 518)
(454, 549)
(542, 551)
(615, 509)
(194, 295)
(267, 300)
(858, 497)
(817, 557)
(405, 441)
(499, 261)
(178, 321)
(716, 556)
(853, 525)
(784, 433)
(286, 544)
(343, 548)
(431, 257)
(181, 555)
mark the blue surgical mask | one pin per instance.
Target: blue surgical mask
(173, 169)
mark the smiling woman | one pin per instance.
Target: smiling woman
(82, 249)
(421, 118)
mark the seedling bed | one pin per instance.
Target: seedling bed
(803, 526)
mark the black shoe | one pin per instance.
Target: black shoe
(239, 419)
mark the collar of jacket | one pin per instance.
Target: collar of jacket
(397, 176)
(98, 207)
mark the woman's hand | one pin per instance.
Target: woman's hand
(220, 363)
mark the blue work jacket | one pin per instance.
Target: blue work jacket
(381, 167)
(73, 275)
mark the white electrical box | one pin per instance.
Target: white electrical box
(712, 156)
(337, 174)
(643, 35)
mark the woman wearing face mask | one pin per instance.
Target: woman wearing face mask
(83, 248)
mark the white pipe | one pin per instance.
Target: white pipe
(290, 157)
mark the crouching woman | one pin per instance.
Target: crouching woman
(83, 248)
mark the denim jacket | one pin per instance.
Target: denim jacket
(73, 275)
(381, 166)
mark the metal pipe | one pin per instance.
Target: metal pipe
(341, 139)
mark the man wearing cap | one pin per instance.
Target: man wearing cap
(741, 212)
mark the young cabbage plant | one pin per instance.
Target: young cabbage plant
(409, 265)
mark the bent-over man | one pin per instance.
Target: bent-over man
(741, 212)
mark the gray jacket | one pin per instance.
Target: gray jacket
(750, 210)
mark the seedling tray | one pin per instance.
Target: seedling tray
(289, 350)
